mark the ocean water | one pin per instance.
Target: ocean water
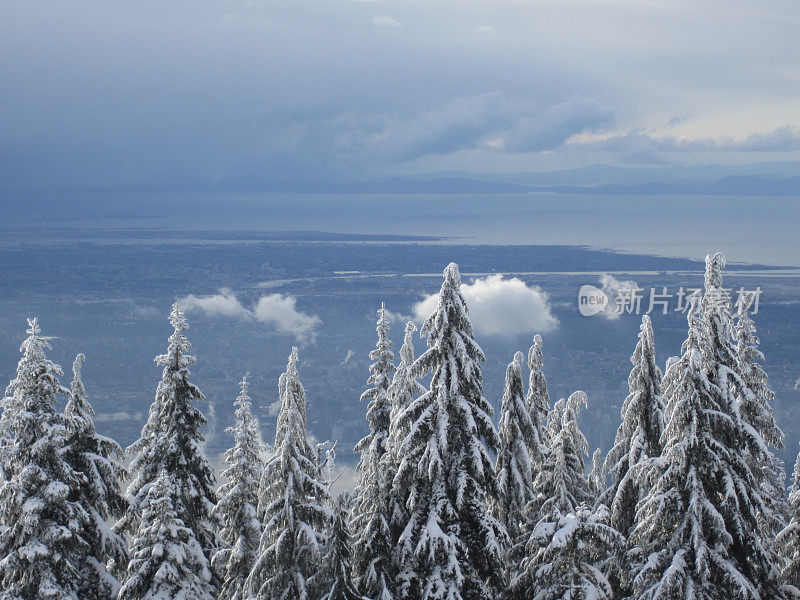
(753, 229)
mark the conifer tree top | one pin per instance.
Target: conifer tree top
(535, 357)
(77, 383)
(452, 276)
(407, 349)
(714, 265)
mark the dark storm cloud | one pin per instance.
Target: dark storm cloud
(192, 93)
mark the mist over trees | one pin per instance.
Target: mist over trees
(451, 502)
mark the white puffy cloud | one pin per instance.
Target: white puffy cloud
(223, 304)
(276, 310)
(499, 306)
(280, 311)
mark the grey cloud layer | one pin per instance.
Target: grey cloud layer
(231, 91)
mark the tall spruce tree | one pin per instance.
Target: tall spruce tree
(514, 466)
(755, 407)
(238, 501)
(97, 461)
(452, 547)
(538, 399)
(41, 546)
(338, 558)
(568, 542)
(698, 527)
(372, 548)
(293, 504)
(172, 441)
(404, 389)
(561, 484)
(167, 561)
(638, 440)
(743, 384)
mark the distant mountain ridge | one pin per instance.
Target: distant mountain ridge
(732, 185)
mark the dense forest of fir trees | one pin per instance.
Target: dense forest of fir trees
(689, 503)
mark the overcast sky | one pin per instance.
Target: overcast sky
(140, 92)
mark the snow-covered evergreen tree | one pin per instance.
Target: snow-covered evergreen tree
(788, 540)
(718, 314)
(293, 504)
(338, 559)
(171, 440)
(41, 547)
(561, 484)
(373, 548)
(452, 547)
(737, 372)
(538, 399)
(598, 474)
(566, 550)
(638, 440)
(698, 529)
(567, 542)
(514, 466)
(167, 561)
(404, 389)
(97, 462)
(755, 398)
(238, 502)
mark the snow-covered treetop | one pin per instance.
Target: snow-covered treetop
(35, 373)
(407, 350)
(452, 276)
(714, 265)
(446, 337)
(77, 383)
(77, 408)
(178, 342)
(381, 371)
(244, 404)
(538, 399)
(290, 389)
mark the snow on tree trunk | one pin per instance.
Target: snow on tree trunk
(238, 502)
(514, 465)
(97, 461)
(167, 561)
(372, 548)
(452, 547)
(41, 546)
(171, 441)
(697, 530)
(293, 505)
(637, 442)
